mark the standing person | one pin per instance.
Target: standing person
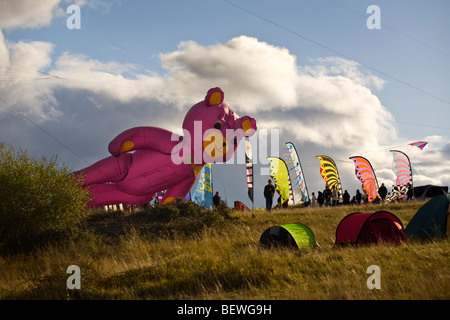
(269, 191)
(327, 195)
(313, 200)
(320, 199)
(358, 197)
(346, 197)
(335, 197)
(216, 199)
(410, 193)
(382, 191)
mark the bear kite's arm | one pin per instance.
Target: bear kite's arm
(147, 138)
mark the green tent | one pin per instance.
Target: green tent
(294, 235)
(431, 219)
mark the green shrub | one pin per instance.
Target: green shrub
(39, 201)
(189, 209)
(188, 217)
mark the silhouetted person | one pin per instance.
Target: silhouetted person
(327, 195)
(346, 197)
(358, 197)
(216, 199)
(382, 192)
(269, 191)
(320, 199)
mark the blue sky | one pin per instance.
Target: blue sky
(310, 63)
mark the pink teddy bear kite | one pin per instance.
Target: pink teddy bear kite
(163, 160)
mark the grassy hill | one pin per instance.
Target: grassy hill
(170, 254)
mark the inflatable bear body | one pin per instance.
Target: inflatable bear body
(147, 160)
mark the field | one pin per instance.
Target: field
(148, 256)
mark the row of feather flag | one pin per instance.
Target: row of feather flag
(401, 166)
(296, 189)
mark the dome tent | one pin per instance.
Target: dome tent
(294, 235)
(431, 219)
(369, 228)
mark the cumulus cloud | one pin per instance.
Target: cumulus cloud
(258, 78)
(32, 14)
(22, 83)
(27, 13)
(329, 104)
(266, 79)
(337, 66)
(118, 81)
(264, 74)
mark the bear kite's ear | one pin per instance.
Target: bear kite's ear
(214, 96)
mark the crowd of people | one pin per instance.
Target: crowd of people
(329, 197)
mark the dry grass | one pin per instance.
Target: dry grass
(224, 261)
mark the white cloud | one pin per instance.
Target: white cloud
(118, 81)
(328, 104)
(259, 77)
(27, 13)
(22, 84)
(337, 66)
(36, 14)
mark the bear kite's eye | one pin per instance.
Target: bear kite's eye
(218, 125)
